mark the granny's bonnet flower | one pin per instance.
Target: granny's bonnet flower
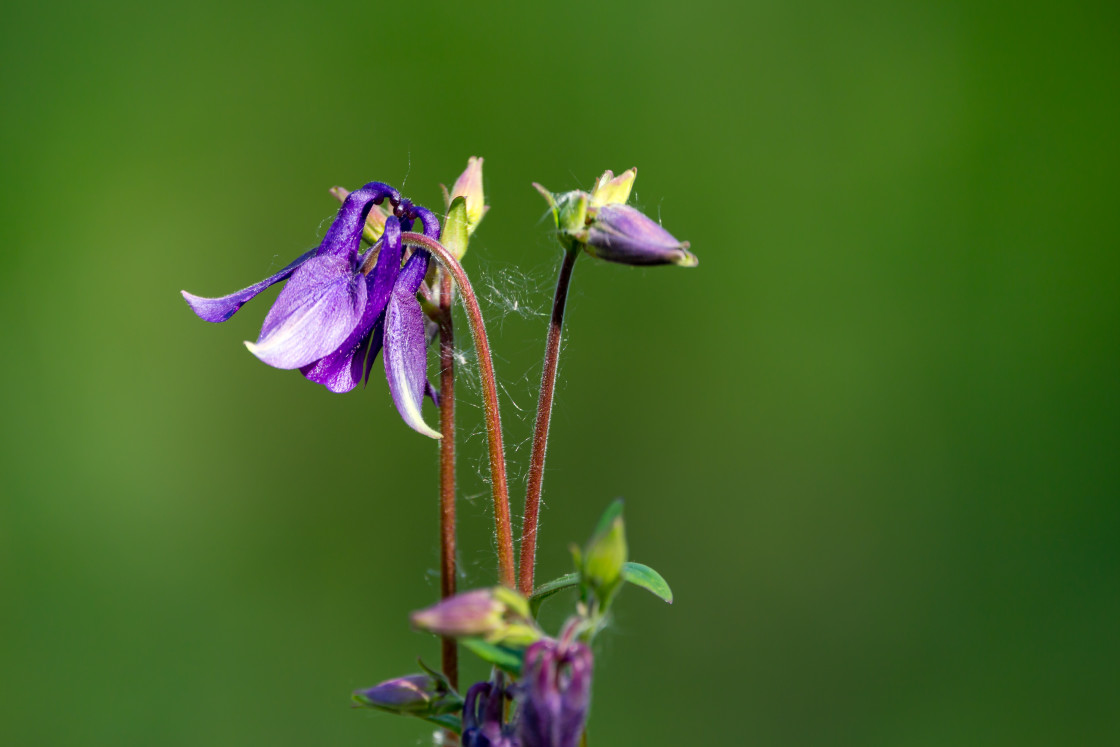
(339, 308)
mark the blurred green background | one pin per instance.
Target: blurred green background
(872, 441)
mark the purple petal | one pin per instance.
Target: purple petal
(406, 354)
(388, 268)
(345, 234)
(314, 314)
(341, 370)
(623, 234)
(428, 220)
(221, 309)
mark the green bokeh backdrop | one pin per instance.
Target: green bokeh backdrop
(872, 440)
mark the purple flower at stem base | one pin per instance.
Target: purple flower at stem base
(554, 694)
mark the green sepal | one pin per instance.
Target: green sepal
(516, 635)
(648, 579)
(455, 235)
(555, 586)
(572, 218)
(506, 659)
(551, 200)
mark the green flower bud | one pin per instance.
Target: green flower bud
(606, 552)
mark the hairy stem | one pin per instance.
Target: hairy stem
(498, 478)
(449, 654)
(540, 431)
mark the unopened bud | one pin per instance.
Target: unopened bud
(416, 694)
(482, 612)
(469, 187)
(620, 233)
(606, 552)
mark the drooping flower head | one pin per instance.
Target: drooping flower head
(340, 307)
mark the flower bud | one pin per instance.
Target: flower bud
(481, 612)
(606, 552)
(620, 233)
(555, 694)
(416, 694)
(375, 221)
(469, 187)
(613, 190)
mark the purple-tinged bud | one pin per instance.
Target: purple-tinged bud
(481, 612)
(416, 694)
(613, 190)
(470, 613)
(375, 221)
(620, 233)
(469, 187)
(555, 694)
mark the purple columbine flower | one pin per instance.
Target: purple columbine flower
(339, 308)
(482, 718)
(555, 693)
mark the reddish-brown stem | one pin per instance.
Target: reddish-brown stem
(498, 478)
(540, 431)
(449, 651)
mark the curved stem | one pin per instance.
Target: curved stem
(498, 479)
(449, 654)
(540, 431)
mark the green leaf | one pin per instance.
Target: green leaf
(506, 659)
(447, 721)
(545, 590)
(648, 579)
